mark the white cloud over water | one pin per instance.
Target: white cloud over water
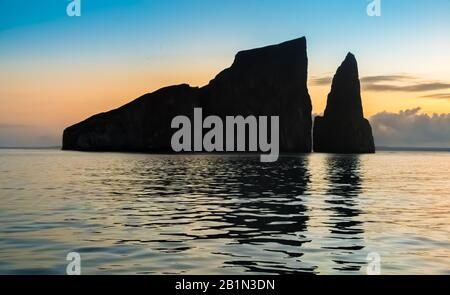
(411, 128)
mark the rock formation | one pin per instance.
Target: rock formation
(270, 81)
(343, 128)
(139, 126)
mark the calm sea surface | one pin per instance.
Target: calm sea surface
(215, 214)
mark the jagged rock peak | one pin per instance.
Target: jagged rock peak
(345, 94)
(266, 81)
(343, 128)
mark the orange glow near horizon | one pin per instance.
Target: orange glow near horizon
(55, 98)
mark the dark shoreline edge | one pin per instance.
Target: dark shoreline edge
(378, 148)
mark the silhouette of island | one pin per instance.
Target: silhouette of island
(268, 81)
(343, 128)
(346, 228)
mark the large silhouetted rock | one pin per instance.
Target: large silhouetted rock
(343, 128)
(270, 81)
(141, 125)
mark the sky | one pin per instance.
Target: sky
(56, 70)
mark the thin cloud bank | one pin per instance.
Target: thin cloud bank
(322, 81)
(416, 87)
(368, 80)
(410, 128)
(438, 96)
(12, 126)
(388, 78)
(397, 83)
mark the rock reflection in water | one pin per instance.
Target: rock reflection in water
(223, 214)
(343, 175)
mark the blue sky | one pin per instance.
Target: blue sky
(138, 26)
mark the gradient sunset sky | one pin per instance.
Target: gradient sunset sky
(56, 70)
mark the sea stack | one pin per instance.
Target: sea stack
(343, 128)
(268, 81)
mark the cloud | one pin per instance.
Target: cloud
(396, 82)
(410, 128)
(416, 87)
(387, 78)
(12, 126)
(438, 96)
(322, 81)
(368, 79)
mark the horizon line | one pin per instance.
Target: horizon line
(378, 148)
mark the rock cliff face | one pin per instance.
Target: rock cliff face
(269, 81)
(343, 128)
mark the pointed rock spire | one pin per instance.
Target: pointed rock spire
(345, 91)
(343, 128)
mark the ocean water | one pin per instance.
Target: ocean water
(217, 214)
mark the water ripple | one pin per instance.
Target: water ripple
(161, 214)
